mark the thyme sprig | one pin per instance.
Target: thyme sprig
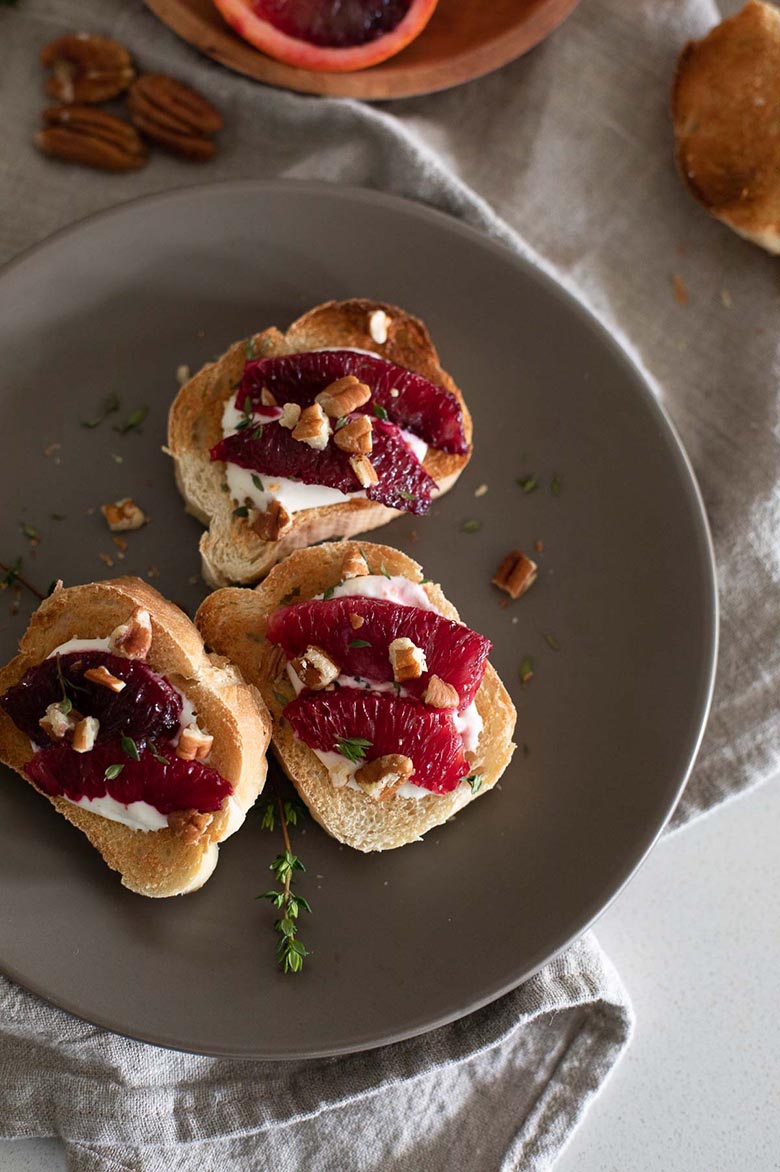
(12, 577)
(290, 951)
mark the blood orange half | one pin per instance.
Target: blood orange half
(328, 36)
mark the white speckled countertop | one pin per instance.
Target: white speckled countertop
(695, 938)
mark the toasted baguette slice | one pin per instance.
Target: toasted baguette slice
(726, 108)
(230, 550)
(234, 623)
(154, 863)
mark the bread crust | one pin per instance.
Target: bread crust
(153, 863)
(725, 107)
(234, 622)
(230, 550)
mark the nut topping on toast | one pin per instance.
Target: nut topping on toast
(268, 398)
(354, 564)
(356, 621)
(356, 436)
(133, 639)
(313, 427)
(86, 68)
(58, 724)
(516, 574)
(273, 522)
(407, 660)
(194, 745)
(343, 396)
(315, 669)
(291, 413)
(85, 734)
(381, 777)
(124, 515)
(189, 825)
(378, 324)
(440, 694)
(101, 675)
(364, 470)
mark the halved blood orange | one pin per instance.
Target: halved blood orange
(328, 36)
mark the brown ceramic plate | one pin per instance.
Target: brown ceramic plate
(464, 39)
(608, 728)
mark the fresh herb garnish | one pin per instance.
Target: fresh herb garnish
(405, 495)
(30, 531)
(241, 511)
(133, 421)
(526, 669)
(257, 433)
(353, 748)
(246, 417)
(280, 698)
(328, 593)
(130, 747)
(380, 412)
(528, 483)
(475, 781)
(12, 577)
(551, 641)
(113, 771)
(397, 687)
(157, 754)
(471, 526)
(556, 484)
(257, 483)
(107, 407)
(359, 643)
(383, 570)
(290, 951)
(249, 349)
(342, 421)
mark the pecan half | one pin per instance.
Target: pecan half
(189, 825)
(381, 777)
(80, 134)
(174, 116)
(343, 396)
(516, 574)
(86, 68)
(356, 436)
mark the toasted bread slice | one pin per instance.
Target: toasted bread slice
(230, 550)
(154, 863)
(233, 622)
(726, 112)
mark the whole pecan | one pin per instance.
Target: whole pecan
(81, 134)
(174, 116)
(86, 68)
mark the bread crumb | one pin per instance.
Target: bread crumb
(51, 449)
(481, 490)
(182, 374)
(725, 297)
(680, 291)
(539, 545)
(153, 572)
(106, 559)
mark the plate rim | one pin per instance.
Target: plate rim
(526, 263)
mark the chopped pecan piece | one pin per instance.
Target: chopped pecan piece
(356, 621)
(356, 437)
(58, 724)
(291, 413)
(85, 734)
(101, 675)
(268, 398)
(354, 564)
(174, 116)
(313, 427)
(86, 68)
(407, 660)
(516, 574)
(343, 396)
(194, 745)
(383, 776)
(124, 515)
(81, 134)
(315, 669)
(440, 694)
(364, 470)
(378, 324)
(189, 825)
(273, 522)
(133, 638)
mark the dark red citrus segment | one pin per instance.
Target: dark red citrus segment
(430, 412)
(428, 736)
(453, 652)
(403, 482)
(146, 707)
(336, 24)
(177, 785)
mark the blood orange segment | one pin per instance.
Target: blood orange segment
(146, 707)
(391, 725)
(177, 785)
(403, 482)
(335, 36)
(453, 652)
(430, 412)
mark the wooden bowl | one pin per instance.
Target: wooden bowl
(464, 39)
